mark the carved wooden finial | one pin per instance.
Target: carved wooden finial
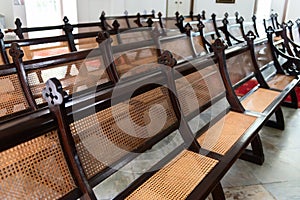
(53, 92)
(18, 22)
(67, 27)
(226, 15)
(188, 29)
(298, 21)
(250, 36)
(218, 45)
(200, 26)
(65, 20)
(283, 25)
(275, 15)
(150, 22)
(102, 36)
(116, 25)
(126, 13)
(198, 17)
(102, 16)
(1, 34)
(290, 23)
(254, 18)
(213, 16)
(15, 51)
(159, 15)
(203, 14)
(270, 30)
(236, 14)
(241, 20)
(153, 12)
(167, 59)
(225, 21)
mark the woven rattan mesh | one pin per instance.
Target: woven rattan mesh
(239, 67)
(181, 48)
(263, 54)
(135, 35)
(74, 76)
(169, 23)
(136, 61)
(225, 133)
(86, 43)
(176, 180)
(201, 87)
(260, 100)
(280, 81)
(209, 26)
(102, 139)
(199, 46)
(35, 170)
(235, 31)
(44, 50)
(12, 95)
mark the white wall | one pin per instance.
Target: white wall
(6, 9)
(277, 6)
(135, 6)
(90, 10)
(293, 12)
(244, 7)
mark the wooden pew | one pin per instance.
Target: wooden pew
(141, 101)
(112, 160)
(250, 70)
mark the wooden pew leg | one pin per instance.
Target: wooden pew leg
(218, 193)
(294, 100)
(279, 123)
(256, 155)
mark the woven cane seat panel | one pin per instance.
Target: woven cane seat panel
(180, 48)
(74, 77)
(260, 100)
(12, 95)
(263, 54)
(105, 137)
(35, 170)
(86, 43)
(225, 133)
(239, 67)
(280, 81)
(199, 46)
(199, 88)
(177, 179)
(136, 61)
(135, 36)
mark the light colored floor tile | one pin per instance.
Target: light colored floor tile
(248, 193)
(285, 191)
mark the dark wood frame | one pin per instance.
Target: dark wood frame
(225, 1)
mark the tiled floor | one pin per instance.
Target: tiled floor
(278, 178)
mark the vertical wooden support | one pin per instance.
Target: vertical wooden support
(105, 40)
(68, 28)
(254, 25)
(17, 54)
(219, 50)
(213, 17)
(191, 143)
(3, 49)
(277, 65)
(54, 95)
(18, 31)
(250, 37)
